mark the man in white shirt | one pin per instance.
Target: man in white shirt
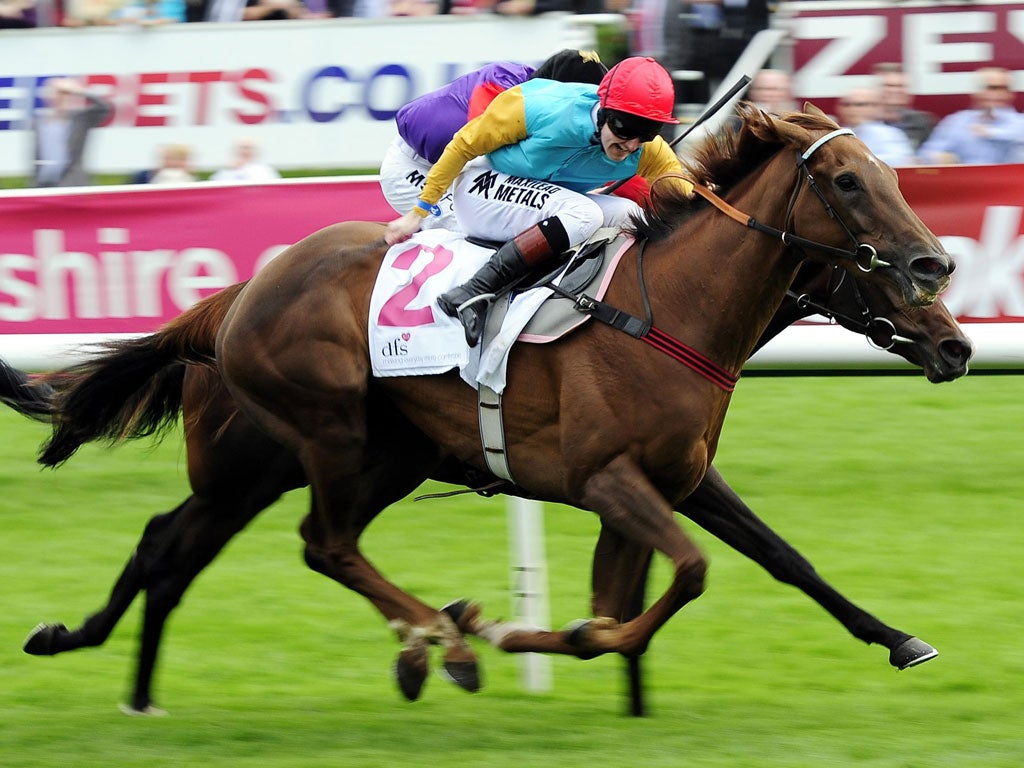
(246, 165)
(61, 130)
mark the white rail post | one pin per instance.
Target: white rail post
(529, 582)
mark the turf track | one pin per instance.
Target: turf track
(906, 496)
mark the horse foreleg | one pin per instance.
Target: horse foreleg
(631, 508)
(391, 470)
(618, 588)
(715, 507)
(618, 576)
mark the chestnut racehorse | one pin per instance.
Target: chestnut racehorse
(371, 445)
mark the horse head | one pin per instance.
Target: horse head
(928, 337)
(867, 216)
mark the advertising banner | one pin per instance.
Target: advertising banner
(313, 94)
(123, 260)
(835, 43)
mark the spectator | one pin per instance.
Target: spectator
(860, 110)
(17, 14)
(772, 91)
(246, 165)
(150, 12)
(175, 165)
(61, 130)
(992, 131)
(88, 13)
(413, 8)
(253, 10)
(896, 101)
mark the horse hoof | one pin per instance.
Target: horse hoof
(148, 711)
(411, 671)
(910, 653)
(456, 609)
(464, 614)
(42, 641)
(464, 674)
(576, 632)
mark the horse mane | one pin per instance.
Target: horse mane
(722, 160)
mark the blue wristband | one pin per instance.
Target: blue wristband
(424, 206)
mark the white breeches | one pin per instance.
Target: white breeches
(402, 173)
(496, 206)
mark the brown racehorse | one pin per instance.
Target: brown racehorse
(379, 441)
(236, 471)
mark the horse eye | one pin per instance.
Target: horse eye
(847, 182)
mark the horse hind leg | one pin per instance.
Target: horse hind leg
(55, 638)
(416, 624)
(51, 639)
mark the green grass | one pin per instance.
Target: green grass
(906, 496)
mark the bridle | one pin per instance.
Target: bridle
(879, 331)
(862, 254)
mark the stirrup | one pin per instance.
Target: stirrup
(485, 297)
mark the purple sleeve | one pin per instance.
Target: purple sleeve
(428, 123)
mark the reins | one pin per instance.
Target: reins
(789, 238)
(645, 331)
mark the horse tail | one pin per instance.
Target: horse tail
(132, 388)
(21, 392)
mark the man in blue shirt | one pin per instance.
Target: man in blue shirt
(860, 110)
(991, 132)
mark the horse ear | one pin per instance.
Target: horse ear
(811, 109)
(784, 131)
(756, 120)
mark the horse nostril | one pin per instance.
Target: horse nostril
(956, 351)
(931, 267)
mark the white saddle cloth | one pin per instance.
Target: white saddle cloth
(409, 335)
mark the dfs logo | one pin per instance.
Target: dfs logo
(397, 347)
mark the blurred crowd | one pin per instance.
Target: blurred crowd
(701, 39)
(676, 33)
(77, 13)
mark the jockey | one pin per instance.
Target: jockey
(427, 124)
(526, 169)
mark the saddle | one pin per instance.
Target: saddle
(582, 280)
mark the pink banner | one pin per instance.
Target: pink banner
(127, 259)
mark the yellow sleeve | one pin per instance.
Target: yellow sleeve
(656, 159)
(502, 123)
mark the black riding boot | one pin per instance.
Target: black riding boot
(469, 301)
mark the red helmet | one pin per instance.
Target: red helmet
(640, 86)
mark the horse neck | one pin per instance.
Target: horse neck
(727, 281)
(811, 279)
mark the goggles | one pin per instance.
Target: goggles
(628, 127)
